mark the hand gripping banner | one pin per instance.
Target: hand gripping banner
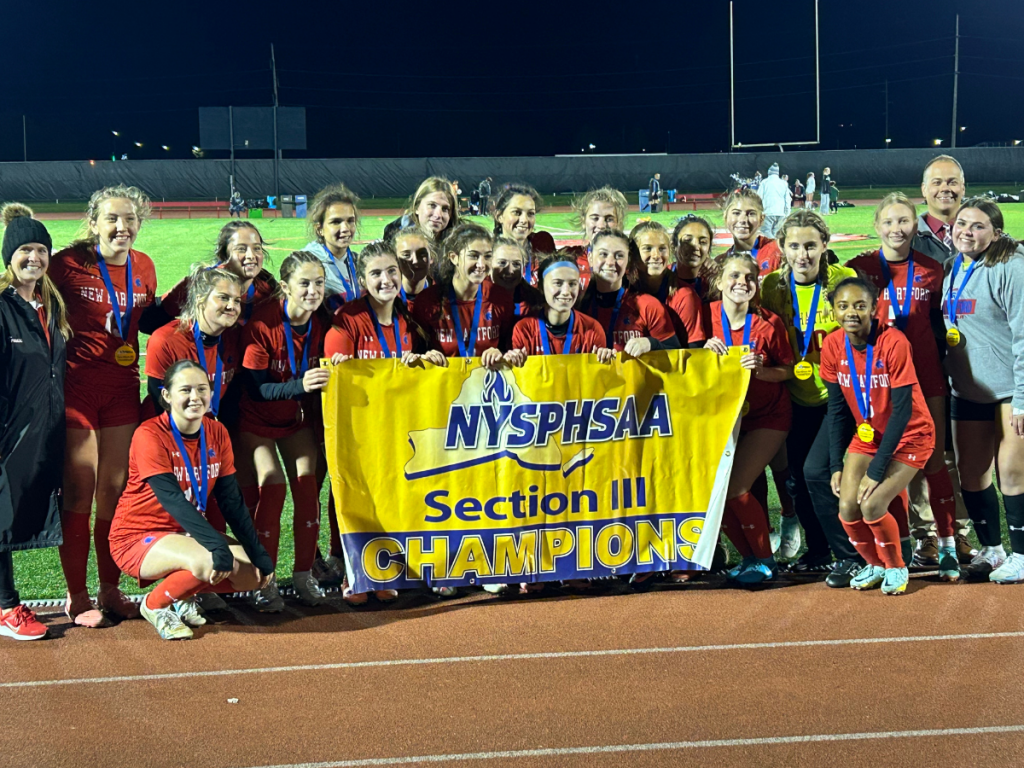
(562, 469)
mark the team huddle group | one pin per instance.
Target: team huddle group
(850, 367)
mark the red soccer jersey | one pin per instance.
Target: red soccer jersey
(497, 316)
(639, 315)
(925, 296)
(766, 253)
(264, 348)
(768, 337)
(175, 299)
(172, 343)
(155, 452)
(354, 334)
(587, 335)
(684, 309)
(96, 335)
(893, 367)
(582, 255)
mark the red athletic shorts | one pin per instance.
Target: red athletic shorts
(90, 407)
(129, 554)
(915, 456)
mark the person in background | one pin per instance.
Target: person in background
(654, 193)
(834, 198)
(798, 194)
(485, 195)
(809, 188)
(826, 192)
(236, 206)
(789, 195)
(942, 187)
(33, 314)
(775, 199)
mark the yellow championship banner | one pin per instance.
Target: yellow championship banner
(565, 468)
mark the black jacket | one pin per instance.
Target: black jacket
(31, 427)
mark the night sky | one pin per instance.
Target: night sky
(503, 78)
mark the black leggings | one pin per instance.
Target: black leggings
(810, 485)
(8, 594)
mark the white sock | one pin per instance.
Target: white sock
(947, 541)
(996, 550)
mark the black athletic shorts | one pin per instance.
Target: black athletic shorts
(967, 410)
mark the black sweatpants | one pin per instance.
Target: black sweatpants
(810, 485)
(8, 594)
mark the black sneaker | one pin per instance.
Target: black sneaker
(842, 573)
(804, 564)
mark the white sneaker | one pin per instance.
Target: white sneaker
(210, 602)
(167, 623)
(188, 612)
(307, 589)
(268, 599)
(1010, 572)
(791, 537)
(498, 589)
(988, 560)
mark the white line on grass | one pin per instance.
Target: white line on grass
(513, 657)
(767, 741)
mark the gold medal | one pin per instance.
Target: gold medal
(953, 337)
(803, 370)
(866, 432)
(125, 355)
(746, 409)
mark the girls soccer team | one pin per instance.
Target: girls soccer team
(846, 401)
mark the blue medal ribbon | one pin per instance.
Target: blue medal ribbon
(350, 288)
(861, 396)
(951, 301)
(609, 332)
(663, 289)
(528, 271)
(381, 339)
(467, 347)
(902, 313)
(566, 346)
(248, 303)
(727, 328)
(808, 332)
(304, 363)
(124, 321)
(218, 376)
(199, 478)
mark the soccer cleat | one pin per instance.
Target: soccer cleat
(791, 537)
(736, 570)
(268, 599)
(329, 571)
(307, 589)
(949, 564)
(965, 551)
(926, 553)
(188, 612)
(987, 561)
(81, 611)
(868, 577)
(756, 572)
(1010, 572)
(210, 602)
(112, 600)
(166, 622)
(895, 582)
(388, 595)
(445, 591)
(498, 589)
(20, 623)
(842, 573)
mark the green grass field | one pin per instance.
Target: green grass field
(175, 244)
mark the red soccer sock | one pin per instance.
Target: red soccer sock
(759, 490)
(899, 508)
(887, 540)
(306, 500)
(863, 541)
(785, 500)
(734, 530)
(755, 523)
(943, 501)
(251, 497)
(74, 552)
(108, 571)
(180, 585)
(332, 520)
(267, 517)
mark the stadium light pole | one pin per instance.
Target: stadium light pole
(277, 173)
(24, 139)
(956, 79)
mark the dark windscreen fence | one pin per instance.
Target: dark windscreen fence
(399, 177)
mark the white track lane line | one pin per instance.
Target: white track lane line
(514, 657)
(767, 741)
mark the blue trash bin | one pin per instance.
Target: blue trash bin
(645, 200)
(300, 206)
(671, 195)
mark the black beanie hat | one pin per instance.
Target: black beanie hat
(21, 228)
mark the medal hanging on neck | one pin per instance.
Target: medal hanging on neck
(124, 355)
(467, 347)
(546, 344)
(218, 376)
(900, 315)
(351, 289)
(953, 336)
(804, 370)
(198, 477)
(298, 371)
(381, 339)
(862, 397)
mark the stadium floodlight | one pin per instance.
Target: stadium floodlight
(1016, 142)
(592, 146)
(963, 128)
(887, 141)
(138, 143)
(732, 91)
(116, 133)
(937, 142)
(165, 147)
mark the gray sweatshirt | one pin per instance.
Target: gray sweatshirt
(334, 293)
(988, 363)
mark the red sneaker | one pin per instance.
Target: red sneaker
(21, 624)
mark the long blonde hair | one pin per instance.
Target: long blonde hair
(201, 283)
(139, 200)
